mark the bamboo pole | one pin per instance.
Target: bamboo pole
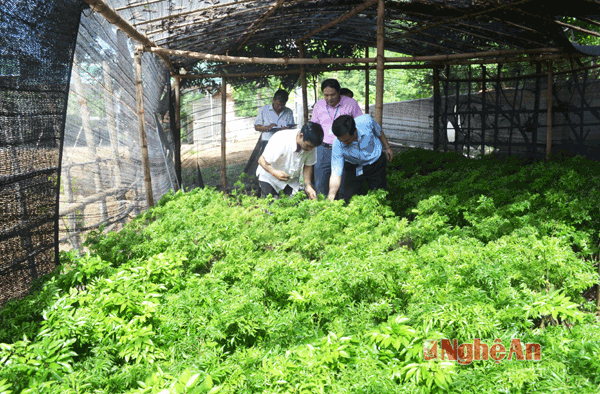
(304, 85)
(326, 61)
(367, 82)
(342, 18)
(549, 114)
(380, 61)
(101, 7)
(139, 98)
(224, 134)
(177, 132)
(436, 108)
(288, 72)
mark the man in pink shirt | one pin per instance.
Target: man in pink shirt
(324, 113)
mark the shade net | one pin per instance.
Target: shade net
(103, 177)
(36, 48)
(70, 157)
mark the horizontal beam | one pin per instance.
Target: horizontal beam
(287, 72)
(290, 61)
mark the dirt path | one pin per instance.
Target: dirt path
(237, 152)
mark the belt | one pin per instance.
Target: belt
(327, 145)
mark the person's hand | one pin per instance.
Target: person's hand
(331, 197)
(310, 191)
(281, 175)
(389, 153)
(271, 126)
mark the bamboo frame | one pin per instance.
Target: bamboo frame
(367, 89)
(304, 85)
(549, 113)
(380, 62)
(342, 18)
(258, 24)
(287, 72)
(139, 98)
(327, 61)
(113, 17)
(464, 16)
(224, 135)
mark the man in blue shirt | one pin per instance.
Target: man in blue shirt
(358, 151)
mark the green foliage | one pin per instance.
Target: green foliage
(206, 294)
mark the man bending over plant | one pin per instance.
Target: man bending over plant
(286, 155)
(358, 151)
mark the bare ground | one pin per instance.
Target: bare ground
(236, 153)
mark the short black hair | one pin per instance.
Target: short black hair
(330, 83)
(281, 96)
(313, 133)
(343, 125)
(346, 92)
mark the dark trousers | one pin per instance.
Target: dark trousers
(266, 189)
(374, 175)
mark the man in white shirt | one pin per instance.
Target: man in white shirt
(287, 154)
(274, 116)
(270, 119)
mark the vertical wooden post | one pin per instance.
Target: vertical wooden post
(444, 122)
(497, 110)
(177, 132)
(484, 110)
(110, 121)
(223, 134)
(139, 98)
(469, 111)
(536, 109)
(367, 82)
(436, 107)
(304, 85)
(380, 62)
(549, 115)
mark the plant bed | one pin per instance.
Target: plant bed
(244, 295)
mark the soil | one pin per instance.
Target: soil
(237, 152)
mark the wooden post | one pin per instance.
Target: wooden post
(110, 121)
(223, 134)
(436, 108)
(483, 107)
(497, 111)
(367, 82)
(139, 98)
(536, 109)
(304, 85)
(380, 62)
(549, 115)
(177, 132)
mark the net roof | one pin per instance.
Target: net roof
(412, 27)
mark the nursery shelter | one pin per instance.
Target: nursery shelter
(90, 124)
